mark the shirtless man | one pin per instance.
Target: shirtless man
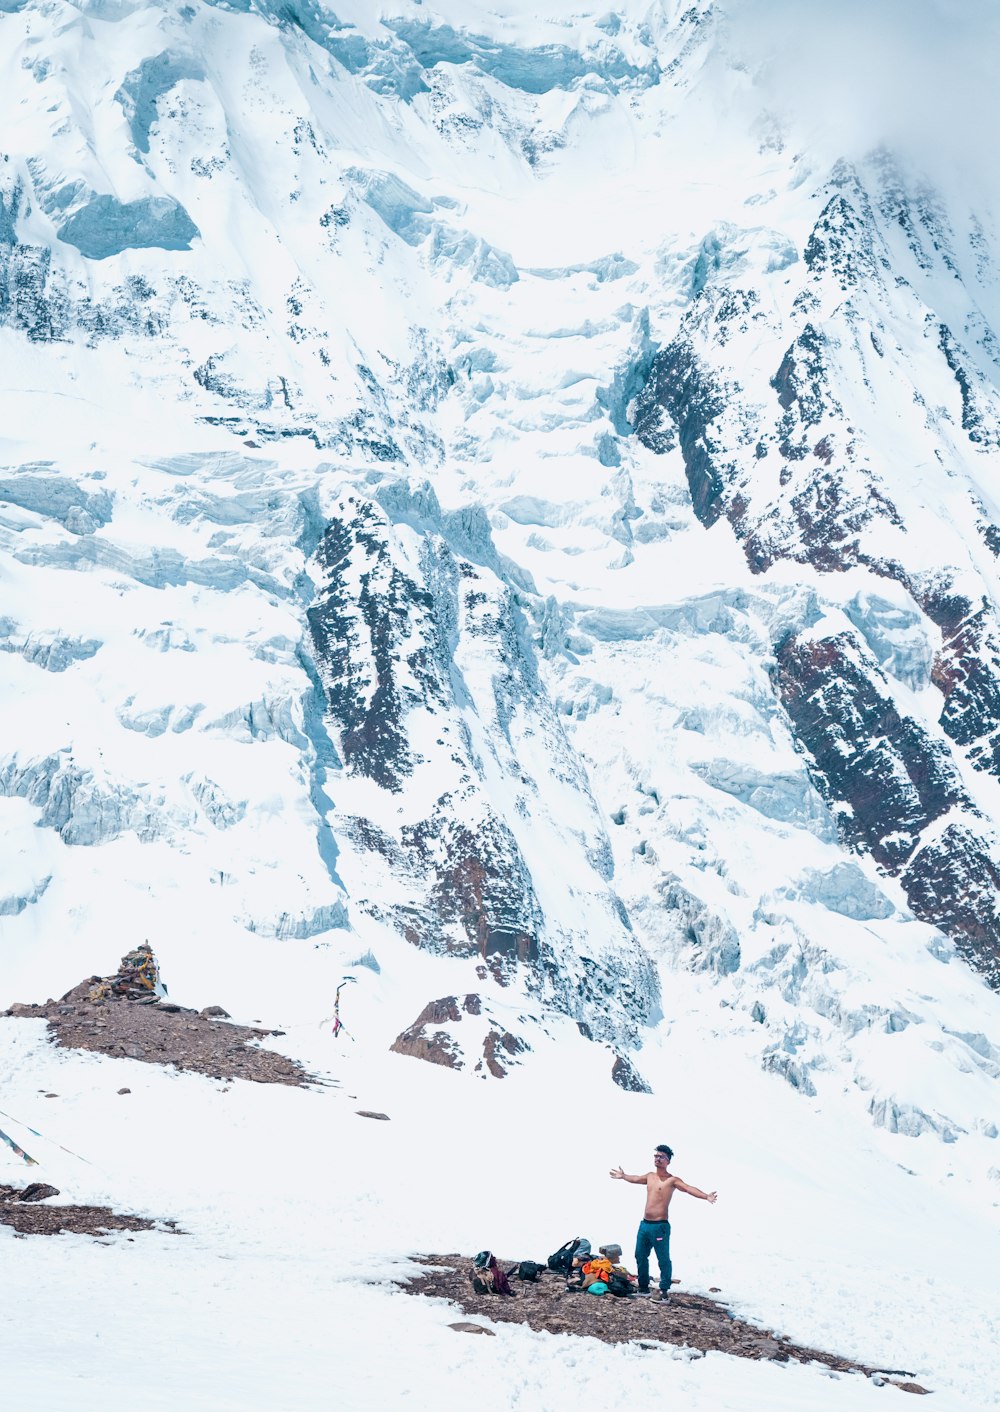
(654, 1228)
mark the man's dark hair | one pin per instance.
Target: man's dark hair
(662, 1147)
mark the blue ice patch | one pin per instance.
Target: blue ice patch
(142, 87)
(106, 227)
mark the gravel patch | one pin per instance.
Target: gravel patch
(693, 1321)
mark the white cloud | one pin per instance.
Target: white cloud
(918, 75)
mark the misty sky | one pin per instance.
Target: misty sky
(920, 75)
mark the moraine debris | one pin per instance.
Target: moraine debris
(22, 1208)
(691, 1321)
(131, 1021)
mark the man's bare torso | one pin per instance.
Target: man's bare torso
(659, 1190)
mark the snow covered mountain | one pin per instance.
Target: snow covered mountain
(493, 507)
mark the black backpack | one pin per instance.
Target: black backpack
(530, 1270)
(619, 1284)
(562, 1260)
(487, 1277)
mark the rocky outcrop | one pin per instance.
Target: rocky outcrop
(894, 789)
(425, 1039)
(124, 1019)
(19, 1210)
(435, 706)
(966, 670)
(368, 612)
(490, 1048)
(796, 457)
(680, 392)
(627, 1076)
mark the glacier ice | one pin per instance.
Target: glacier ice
(844, 889)
(786, 798)
(14, 904)
(87, 807)
(533, 70)
(146, 83)
(896, 635)
(49, 650)
(58, 498)
(104, 226)
(330, 916)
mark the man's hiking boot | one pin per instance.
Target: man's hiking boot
(643, 1294)
(663, 1297)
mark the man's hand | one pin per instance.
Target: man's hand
(617, 1174)
(711, 1196)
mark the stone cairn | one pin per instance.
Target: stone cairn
(137, 978)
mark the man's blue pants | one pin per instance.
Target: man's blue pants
(653, 1236)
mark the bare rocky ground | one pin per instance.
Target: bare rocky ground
(693, 1321)
(155, 1031)
(24, 1208)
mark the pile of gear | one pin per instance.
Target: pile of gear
(573, 1262)
(137, 978)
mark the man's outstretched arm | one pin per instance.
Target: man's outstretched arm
(618, 1175)
(709, 1196)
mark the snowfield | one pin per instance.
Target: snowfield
(505, 506)
(297, 1213)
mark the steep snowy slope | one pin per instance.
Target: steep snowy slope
(485, 510)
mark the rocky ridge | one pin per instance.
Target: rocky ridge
(802, 479)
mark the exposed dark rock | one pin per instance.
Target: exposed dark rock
(359, 625)
(840, 244)
(683, 387)
(966, 671)
(499, 1048)
(890, 776)
(979, 423)
(627, 1076)
(888, 781)
(18, 1209)
(438, 1012)
(480, 883)
(34, 1191)
(124, 1028)
(832, 493)
(954, 883)
(365, 1113)
(39, 300)
(427, 1039)
(690, 1320)
(893, 778)
(801, 382)
(436, 1046)
(414, 641)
